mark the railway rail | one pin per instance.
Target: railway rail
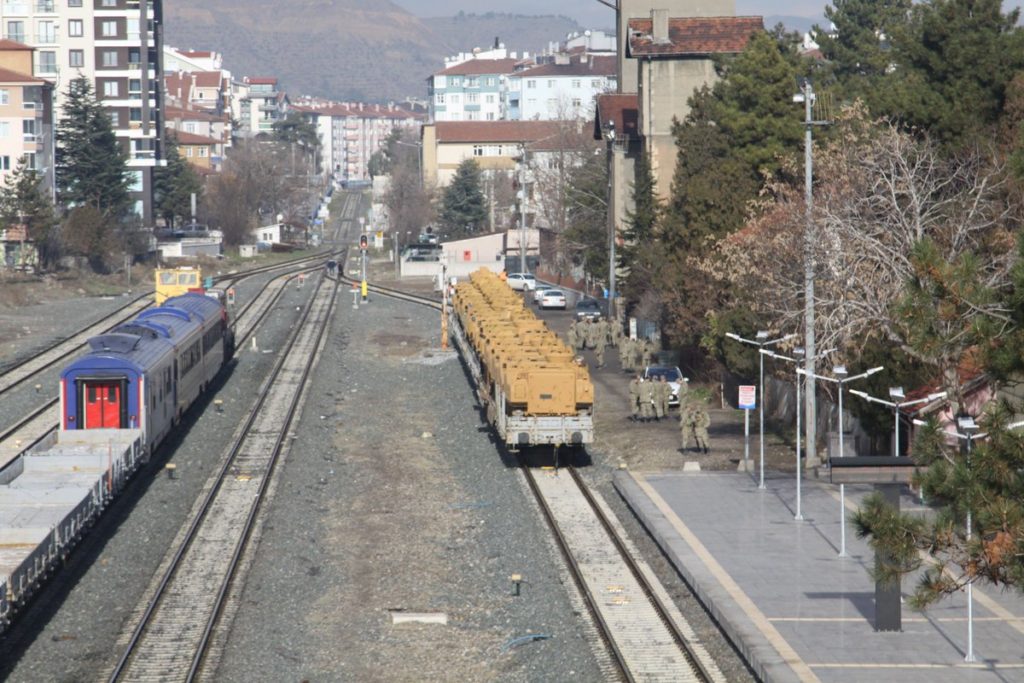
(647, 635)
(174, 627)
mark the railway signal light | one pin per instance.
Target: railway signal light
(363, 243)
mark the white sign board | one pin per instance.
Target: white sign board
(748, 397)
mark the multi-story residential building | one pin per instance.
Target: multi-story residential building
(192, 60)
(210, 90)
(257, 103)
(351, 132)
(26, 118)
(470, 90)
(198, 150)
(118, 46)
(202, 124)
(561, 89)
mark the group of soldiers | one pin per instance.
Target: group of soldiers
(635, 354)
(649, 399)
(595, 334)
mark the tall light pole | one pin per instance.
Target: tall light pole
(522, 211)
(896, 393)
(609, 136)
(761, 341)
(840, 379)
(968, 431)
(806, 97)
(798, 352)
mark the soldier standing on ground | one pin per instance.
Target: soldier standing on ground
(648, 352)
(638, 348)
(626, 354)
(662, 391)
(685, 424)
(573, 335)
(634, 398)
(646, 400)
(701, 422)
(600, 338)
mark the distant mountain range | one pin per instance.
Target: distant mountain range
(367, 50)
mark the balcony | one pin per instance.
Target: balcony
(48, 38)
(46, 7)
(20, 8)
(17, 37)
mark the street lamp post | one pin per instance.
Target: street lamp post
(897, 406)
(761, 341)
(522, 211)
(609, 136)
(840, 379)
(798, 515)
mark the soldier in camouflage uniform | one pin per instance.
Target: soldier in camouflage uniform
(600, 340)
(662, 391)
(686, 424)
(648, 352)
(573, 335)
(701, 422)
(646, 400)
(634, 398)
(638, 352)
(626, 354)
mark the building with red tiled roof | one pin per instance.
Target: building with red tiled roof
(199, 150)
(351, 132)
(560, 89)
(674, 58)
(184, 121)
(470, 86)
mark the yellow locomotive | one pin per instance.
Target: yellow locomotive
(177, 281)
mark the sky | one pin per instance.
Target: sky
(592, 14)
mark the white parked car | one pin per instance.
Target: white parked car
(522, 281)
(553, 298)
(673, 376)
(538, 292)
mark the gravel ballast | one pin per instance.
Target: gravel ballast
(395, 500)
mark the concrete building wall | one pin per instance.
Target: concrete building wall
(641, 9)
(665, 88)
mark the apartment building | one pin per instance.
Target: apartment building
(470, 90)
(192, 124)
(351, 132)
(561, 89)
(26, 119)
(118, 45)
(257, 103)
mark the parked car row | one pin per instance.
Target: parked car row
(549, 296)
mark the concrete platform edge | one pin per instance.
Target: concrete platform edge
(765, 661)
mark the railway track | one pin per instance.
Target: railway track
(649, 639)
(174, 627)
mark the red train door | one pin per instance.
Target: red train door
(102, 405)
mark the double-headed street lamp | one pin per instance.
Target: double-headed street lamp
(799, 353)
(896, 394)
(840, 378)
(760, 341)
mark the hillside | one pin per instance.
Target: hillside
(369, 50)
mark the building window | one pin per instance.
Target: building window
(135, 114)
(5, 128)
(75, 28)
(472, 82)
(111, 89)
(5, 96)
(109, 57)
(134, 56)
(576, 83)
(490, 116)
(188, 152)
(489, 99)
(108, 29)
(15, 31)
(76, 58)
(490, 80)
(46, 33)
(5, 163)
(47, 62)
(595, 83)
(190, 126)
(456, 82)
(439, 98)
(115, 119)
(551, 83)
(455, 99)
(472, 97)
(531, 84)
(202, 152)
(577, 103)
(74, 3)
(133, 29)
(135, 86)
(108, 3)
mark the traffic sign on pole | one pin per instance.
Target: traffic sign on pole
(748, 397)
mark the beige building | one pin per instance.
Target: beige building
(26, 121)
(675, 57)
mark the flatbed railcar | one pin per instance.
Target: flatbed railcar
(118, 402)
(533, 389)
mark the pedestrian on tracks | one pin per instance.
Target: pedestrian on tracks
(634, 398)
(646, 400)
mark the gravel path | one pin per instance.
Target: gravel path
(395, 499)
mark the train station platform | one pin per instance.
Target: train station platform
(794, 609)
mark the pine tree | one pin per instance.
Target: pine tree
(859, 50)
(953, 61)
(638, 254)
(463, 207)
(23, 202)
(174, 184)
(91, 165)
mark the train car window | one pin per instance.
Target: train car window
(167, 278)
(111, 394)
(91, 394)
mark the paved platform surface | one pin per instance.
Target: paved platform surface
(796, 610)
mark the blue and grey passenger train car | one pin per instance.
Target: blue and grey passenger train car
(144, 374)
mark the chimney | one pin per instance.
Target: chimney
(659, 25)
